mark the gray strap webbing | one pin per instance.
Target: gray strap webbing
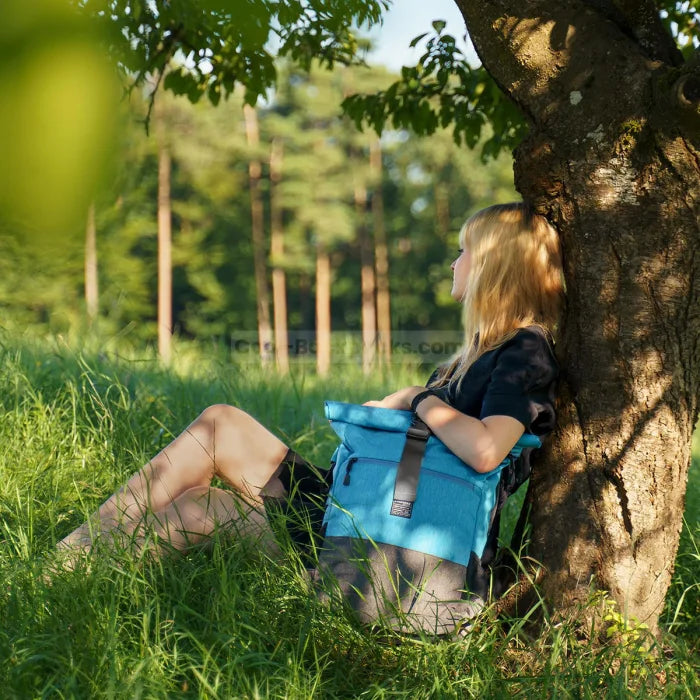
(408, 472)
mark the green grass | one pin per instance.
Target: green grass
(231, 622)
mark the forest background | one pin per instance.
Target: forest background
(332, 193)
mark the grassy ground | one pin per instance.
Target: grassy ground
(231, 623)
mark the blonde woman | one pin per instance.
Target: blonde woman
(507, 277)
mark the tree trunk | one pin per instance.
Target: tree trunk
(279, 282)
(92, 294)
(442, 209)
(367, 282)
(307, 310)
(165, 274)
(323, 311)
(262, 291)
(612, 160)
(381, 253)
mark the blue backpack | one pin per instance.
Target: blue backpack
(407, 523)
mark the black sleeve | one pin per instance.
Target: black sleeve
(523, 383)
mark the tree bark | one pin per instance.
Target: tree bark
(367, 282)
(165, 273)
(612, 160)
(279, 282)
(381, 254)
(323, 311)
(262, 291)
(92, 294)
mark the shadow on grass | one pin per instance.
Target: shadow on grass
(229, 622)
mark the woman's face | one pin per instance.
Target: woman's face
(460, 273)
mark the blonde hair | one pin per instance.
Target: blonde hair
(515, 280)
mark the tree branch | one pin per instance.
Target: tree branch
(640, 20)
(560, 62)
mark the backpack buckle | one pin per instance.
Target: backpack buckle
(418, 430)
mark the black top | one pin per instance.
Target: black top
(517, 379)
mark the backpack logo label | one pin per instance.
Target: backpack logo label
(403, 509)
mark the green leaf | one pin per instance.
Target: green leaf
(415, 40)
(214, 94)
(178, 82)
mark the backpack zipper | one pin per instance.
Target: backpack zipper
(348, 468)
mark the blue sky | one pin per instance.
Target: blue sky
(407, 19)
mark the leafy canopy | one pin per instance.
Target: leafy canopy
(210, 46)
(206, 47)
(442, 90)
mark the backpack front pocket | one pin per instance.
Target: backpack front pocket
(443, 520)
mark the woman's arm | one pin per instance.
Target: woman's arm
(482, 444)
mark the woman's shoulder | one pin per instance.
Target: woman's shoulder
(531, 348)
(522, 381)
(531, 339)
(533, 334)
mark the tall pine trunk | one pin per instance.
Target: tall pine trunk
(442, 210)
(612, 160)
(279, 282)
(165, 275)
(367, 282)
(262, 292)
(381, 253)
(323, 310)
(92, 293)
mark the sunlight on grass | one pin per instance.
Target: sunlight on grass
(230, 622)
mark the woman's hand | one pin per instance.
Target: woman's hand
(400, 399)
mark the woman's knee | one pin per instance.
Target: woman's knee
(221, 413)
(246, 452)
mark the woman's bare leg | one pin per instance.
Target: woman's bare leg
(194, 516)
(223, 441)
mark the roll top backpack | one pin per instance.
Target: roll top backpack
(409, 528)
